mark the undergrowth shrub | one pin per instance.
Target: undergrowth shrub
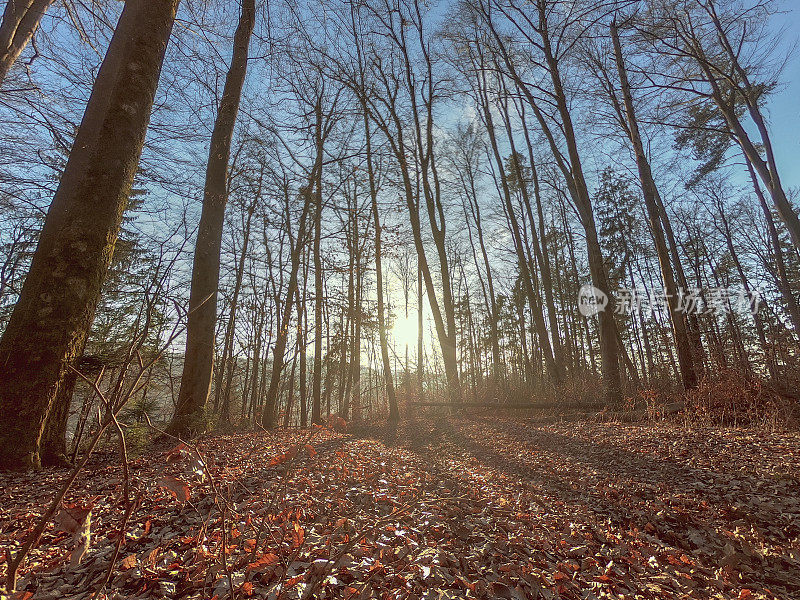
(735, 399)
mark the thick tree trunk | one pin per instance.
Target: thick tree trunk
(20, 21)
(48, 327)
(199, 358)
(53, 450)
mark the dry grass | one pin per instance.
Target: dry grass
(734, 399)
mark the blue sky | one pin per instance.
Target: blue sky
(784, 107)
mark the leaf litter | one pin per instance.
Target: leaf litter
(454, 508)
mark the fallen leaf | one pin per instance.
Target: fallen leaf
(266, 560)
(179, 489)
(72, 517)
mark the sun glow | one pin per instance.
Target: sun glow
(404, 331)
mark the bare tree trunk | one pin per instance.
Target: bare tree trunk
(677, 317)
(420, 88)
(342, 371)
(784, 284)
(302, 333)
(394, 412)
(245, 385)
(572, 169)
(769, 359)
(230, 332)
(420, 336)
(692, 321)
(547, 278)
(199, 358)
(268, 413)
(329, 374)
(355, 352)
(316, 381)
(488, 289)
(48, 327)
(531, 280)
(20, 20)
(254, 378)
(290, 386)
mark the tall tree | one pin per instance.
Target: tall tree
(319, 293)
(202, 320)
(394, 413)
(48, 328)
(228, 360)
(413, 89)
(630, 124)
(546, 25)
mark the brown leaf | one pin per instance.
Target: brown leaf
(298, 536)
(266, 560)
(179, 489)
(282, 458)
(72, 517)
(176, 453)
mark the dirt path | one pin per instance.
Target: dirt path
(478, 507)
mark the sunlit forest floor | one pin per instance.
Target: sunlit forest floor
(478, 506)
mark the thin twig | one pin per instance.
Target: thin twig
(120, 540)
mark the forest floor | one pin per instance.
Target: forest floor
(463, 507)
